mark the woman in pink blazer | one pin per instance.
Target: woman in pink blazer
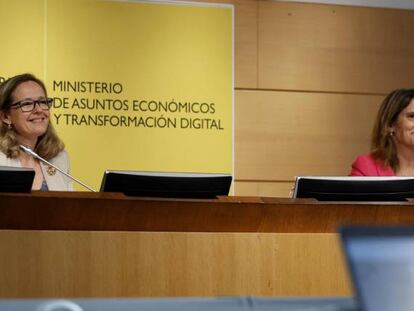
(392, 145)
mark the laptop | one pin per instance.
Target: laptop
(181, 304)
(381, 262)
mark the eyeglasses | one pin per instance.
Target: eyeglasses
(27, 105)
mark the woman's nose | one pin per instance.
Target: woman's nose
(36, 107)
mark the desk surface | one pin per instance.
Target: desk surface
(116, 212)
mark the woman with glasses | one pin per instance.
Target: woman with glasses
(392, 144)
(25, 120)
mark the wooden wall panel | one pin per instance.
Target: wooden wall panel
(245, 41)
(333, 48)
(139, 264)
(245, 44)
(280, 135)
(280, 189)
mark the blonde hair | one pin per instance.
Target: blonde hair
(382, 143)
(48, 145)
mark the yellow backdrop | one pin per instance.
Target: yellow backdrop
(137, 85)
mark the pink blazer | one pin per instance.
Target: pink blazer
(367, 165)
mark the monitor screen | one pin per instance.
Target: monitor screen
(166, 185)
(16, 179)
(350, 188)
(381, 262)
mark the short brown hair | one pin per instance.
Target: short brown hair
(47, 146)
(382, 142)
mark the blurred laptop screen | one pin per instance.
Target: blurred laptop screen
(381, 260)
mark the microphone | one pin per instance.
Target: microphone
(35, 155)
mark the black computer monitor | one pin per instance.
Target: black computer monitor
(166, 185)
(16, 179)
(350, 188)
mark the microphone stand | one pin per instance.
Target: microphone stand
(35, 155)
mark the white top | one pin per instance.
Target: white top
(54, 179)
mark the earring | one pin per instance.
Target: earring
(9, 126)
(392, 134)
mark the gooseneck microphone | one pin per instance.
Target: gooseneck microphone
(35, 155)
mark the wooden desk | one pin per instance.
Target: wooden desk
(115, 212)
(106, 245)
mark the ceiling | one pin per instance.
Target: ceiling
(397, 4)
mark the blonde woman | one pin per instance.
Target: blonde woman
(25, 120)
